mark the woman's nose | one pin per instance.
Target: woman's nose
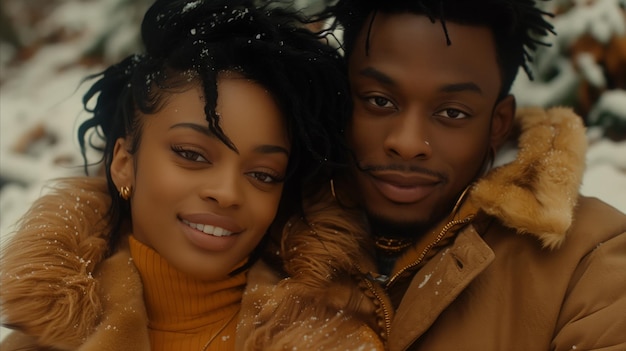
(226, 191)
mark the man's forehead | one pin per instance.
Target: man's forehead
(411, 49)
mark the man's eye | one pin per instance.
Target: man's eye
(452, 113)
(380, 101)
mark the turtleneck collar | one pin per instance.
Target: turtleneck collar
(179, 303)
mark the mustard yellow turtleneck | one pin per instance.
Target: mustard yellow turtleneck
(185, 313)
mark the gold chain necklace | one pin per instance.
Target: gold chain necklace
(392, 246)
(206, 346)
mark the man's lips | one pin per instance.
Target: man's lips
(404, 187)
(405, 179)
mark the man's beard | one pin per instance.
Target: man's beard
(380, 226)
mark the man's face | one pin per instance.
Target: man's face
(425, 115)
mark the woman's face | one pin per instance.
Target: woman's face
(201, 205)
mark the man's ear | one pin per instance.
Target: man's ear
(122, 165)
(502, 121)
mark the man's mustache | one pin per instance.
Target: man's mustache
(399, 168)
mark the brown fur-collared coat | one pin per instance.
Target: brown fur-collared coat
(536, 266)
(60, 292)
(525, 263)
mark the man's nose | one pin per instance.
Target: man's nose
(408, 138)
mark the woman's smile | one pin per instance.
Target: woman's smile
(208, 229)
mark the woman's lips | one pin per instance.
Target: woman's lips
(210, 232)
(211, 223)
(208, 229)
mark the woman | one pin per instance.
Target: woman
(208, 138)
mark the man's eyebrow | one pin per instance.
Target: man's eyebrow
(377, 75)
(447, 88)
(262, 149)
(461, 87)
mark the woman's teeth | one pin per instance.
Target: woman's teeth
(208, 229)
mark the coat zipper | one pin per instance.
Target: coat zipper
(442, 233)
(388, 282)
(383, 305)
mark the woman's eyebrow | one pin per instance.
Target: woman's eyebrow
(263, 149)
(197, 127)
(271, 149)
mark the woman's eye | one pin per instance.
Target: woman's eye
(380, 101)
(452, 113)
(189, 154)
(264, 177)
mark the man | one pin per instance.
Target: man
(471, 258)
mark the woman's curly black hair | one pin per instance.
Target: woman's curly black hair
(191, 42)
(517, 25)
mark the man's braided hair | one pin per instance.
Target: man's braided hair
(518, 26)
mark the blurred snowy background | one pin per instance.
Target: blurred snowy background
(48, 46)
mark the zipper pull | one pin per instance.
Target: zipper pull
(378, 278)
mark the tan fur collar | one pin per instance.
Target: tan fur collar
(537, 192)
(55, 248)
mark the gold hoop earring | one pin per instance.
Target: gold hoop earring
(125, 192)
(492, 156)
(489, 160)
(332, 189)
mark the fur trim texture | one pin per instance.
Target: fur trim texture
(61, 239)
(544, 178)
(321, 305)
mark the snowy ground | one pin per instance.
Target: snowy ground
(40, 100)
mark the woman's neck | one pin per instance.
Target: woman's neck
(178, 302)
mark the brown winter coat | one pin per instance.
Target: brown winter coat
(538, 267)
(60, 292)
(543, 272)
(524, 264)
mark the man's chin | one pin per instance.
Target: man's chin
(397, 226)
